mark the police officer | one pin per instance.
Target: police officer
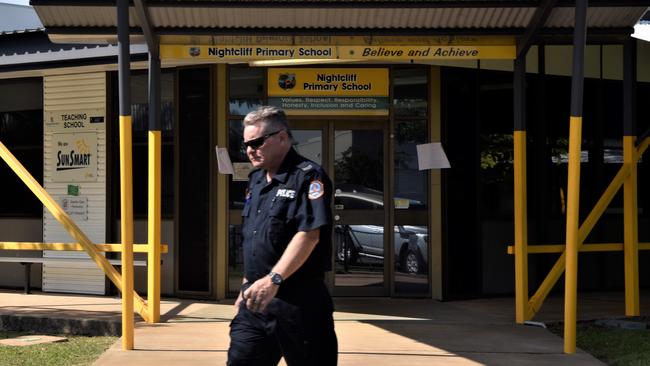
(284, 308)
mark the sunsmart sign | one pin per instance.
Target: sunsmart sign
(329, 91)
(76, 157)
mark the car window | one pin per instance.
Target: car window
(355, 203)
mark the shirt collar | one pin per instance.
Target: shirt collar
(289, 161)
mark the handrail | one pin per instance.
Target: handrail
(19, 245)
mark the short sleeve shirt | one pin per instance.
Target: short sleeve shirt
(298, 198)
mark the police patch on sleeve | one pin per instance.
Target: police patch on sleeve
(247, 197)
(316, 190)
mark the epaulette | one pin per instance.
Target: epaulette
(306, 166)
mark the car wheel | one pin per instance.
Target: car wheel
(412, 262)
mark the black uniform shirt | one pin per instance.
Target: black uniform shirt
(296, 199)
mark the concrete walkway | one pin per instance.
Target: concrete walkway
(371, 331)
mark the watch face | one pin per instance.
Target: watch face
(276, 279)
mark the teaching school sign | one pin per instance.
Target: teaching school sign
(329, 91)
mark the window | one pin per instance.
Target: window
(246, 90)
(140, 117)
(410, 192)
(246, 93)
(21, 131)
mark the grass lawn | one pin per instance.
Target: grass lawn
(77, 350)
(614, 346)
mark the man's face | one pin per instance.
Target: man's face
(270, 152)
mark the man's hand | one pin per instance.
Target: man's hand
(260, 294)
(240, 298)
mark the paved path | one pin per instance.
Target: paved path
(371, 331)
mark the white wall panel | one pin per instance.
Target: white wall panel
(75, 94)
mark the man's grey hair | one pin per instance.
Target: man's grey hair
(273, 118)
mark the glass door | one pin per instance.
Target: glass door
(355, 158)
(360, 214)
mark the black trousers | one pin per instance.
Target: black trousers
(302, 334)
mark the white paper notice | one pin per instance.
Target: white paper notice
(223, 160)
(241, 171)
(432, 156)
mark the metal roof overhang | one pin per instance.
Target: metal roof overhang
(195, 21)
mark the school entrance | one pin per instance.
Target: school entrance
(381, 232)
(367, 259)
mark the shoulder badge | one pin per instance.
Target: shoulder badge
(306, 168)
(316, 190)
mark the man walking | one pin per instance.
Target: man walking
(284, 308)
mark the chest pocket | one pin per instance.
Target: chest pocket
(279, 228)
(279, 208)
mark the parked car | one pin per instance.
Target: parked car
(358, 244)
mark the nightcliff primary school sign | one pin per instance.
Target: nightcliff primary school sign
(352, 48)
(329, 91)
(353, 53)
(334, 91)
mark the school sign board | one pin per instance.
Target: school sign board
(343, 48)
(329, 91)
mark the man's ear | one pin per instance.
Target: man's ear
(285, 136)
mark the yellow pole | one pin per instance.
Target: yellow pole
(573, 206)
(221, 216)
(631, 237)
(554, 274)
(126, 185)
(153, 257)
(522, 310)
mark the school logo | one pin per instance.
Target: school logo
(316, 190)
(287, 81)
(195, 51)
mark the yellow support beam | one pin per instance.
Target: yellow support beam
(631, 229)
(559, 248)
(153, 225)
(572, 241)
(522, 308)
(642, 147)
(555, 273)
(69, 225)
(126, 230)
(74, 247)
(221, 209)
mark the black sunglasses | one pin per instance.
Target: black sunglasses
(256, 143)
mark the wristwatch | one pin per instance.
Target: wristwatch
(276, 278)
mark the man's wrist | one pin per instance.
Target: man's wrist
(276, 278)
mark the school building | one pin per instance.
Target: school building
(366, 85)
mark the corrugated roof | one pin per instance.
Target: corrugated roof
(337, 18)
(18, 18)
(196, 16)
(22, 43)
